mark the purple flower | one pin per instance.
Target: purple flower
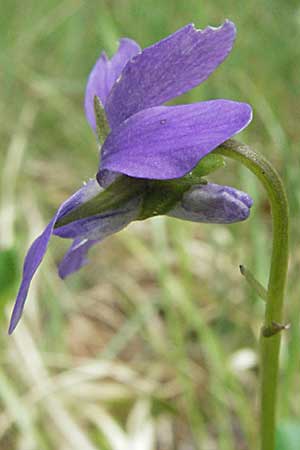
(147, 143)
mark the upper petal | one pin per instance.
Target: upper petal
(168, 141)
(105, 73)
(38, 248)
(168, 68)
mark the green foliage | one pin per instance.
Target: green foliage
(9, 275)
(288, 436)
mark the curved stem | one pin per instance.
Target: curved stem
(270, 335)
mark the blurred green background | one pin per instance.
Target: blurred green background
(153, 346)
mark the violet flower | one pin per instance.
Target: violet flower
(148, 144)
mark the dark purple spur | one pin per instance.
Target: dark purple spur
(146, 158)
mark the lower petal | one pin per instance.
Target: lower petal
(38, 248)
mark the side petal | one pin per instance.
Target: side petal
(168, 141)
(168, 68)
(38, 248)
(102, 225)
(76, 257)
(91, 231)
(212, 203)
(104, 74)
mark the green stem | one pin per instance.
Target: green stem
(270, 335)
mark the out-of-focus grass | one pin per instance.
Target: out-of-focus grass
(154, 345)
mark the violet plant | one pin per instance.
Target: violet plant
(153, 160)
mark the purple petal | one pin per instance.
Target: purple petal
(104, 74)
(212, 203)
(92, 230)
(75, 258)
(38, 248)
(107, 177)
(168, 68)
(168, 141)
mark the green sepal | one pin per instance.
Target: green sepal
(207, 165)
(102, 125)
(113, 197)
(161, 196)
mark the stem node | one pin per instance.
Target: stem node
(274, 328)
